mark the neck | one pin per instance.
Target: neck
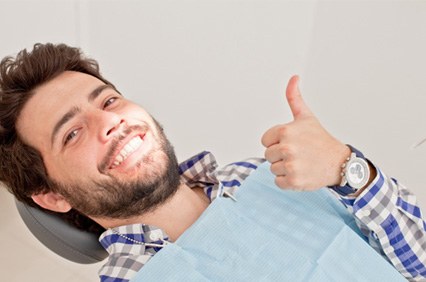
(174, 216)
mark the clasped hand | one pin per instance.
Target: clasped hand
(303, 155)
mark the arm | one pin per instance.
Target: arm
(304, 156)
(389, 216)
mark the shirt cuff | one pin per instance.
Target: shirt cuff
(374, 205)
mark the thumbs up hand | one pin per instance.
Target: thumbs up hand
(303, 155)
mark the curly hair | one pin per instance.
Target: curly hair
(21, 166)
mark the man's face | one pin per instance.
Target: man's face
(105, 154)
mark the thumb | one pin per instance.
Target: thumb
(295, 100)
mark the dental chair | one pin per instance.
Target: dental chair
(61, 237)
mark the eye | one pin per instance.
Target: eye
(70, 136)
(110, 101)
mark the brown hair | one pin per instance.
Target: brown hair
(21, 167)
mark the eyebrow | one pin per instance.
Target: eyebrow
(98, 90)
(75, 110)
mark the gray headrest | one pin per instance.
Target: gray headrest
(61, 237)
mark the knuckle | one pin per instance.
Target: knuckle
(277, 168)
(290, 167)
(291, 151)
(295, 182)
(287, 150)
(269, 155)
(282, 130)
(274, 169)
(284, 150)
(282, 147)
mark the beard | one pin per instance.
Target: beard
(121, 198)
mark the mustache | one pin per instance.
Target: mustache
(110, 155)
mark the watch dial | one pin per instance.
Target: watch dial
(357, 174)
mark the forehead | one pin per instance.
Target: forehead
(49, 102)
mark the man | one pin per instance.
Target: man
(72, 144)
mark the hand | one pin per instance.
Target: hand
(303, 155)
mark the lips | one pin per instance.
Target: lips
(134, 144)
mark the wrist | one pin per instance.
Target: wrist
(373, 174)
(355, 174)
(343, 154)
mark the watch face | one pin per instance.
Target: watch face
(357, 173)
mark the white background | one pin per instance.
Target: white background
(214, 73)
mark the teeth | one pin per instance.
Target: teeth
(130, 147)
(119, 158)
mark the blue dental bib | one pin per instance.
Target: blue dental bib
(270, 234)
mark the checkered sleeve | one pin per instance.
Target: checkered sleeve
(388, 214)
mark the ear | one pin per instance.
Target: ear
(52, 201)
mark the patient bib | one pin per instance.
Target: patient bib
(270, 235)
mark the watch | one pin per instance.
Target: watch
(355, 173)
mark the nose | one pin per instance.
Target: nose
(108, 125)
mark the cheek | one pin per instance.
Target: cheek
(56, 171)
(135, 112)
(76, 165)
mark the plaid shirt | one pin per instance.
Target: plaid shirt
(386, 212)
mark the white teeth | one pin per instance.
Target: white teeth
(130, 147)
(127, 149)
(119, 158)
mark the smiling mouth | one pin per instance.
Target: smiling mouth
(134, 144)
